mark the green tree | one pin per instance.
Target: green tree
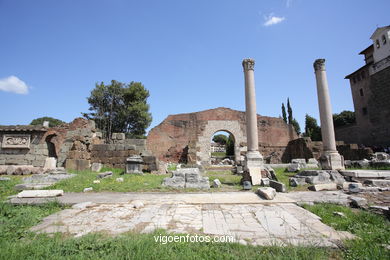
(52, 121)
(120, 107)
(230, 146)
(312, 129)
(289, 110)
(344, 118)
(221, 139)
(296, 126)
(284, 113)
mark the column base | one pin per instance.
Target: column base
(254, 165)
(332, 160)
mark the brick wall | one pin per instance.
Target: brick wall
(177, 138)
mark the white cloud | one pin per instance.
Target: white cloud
(272, 20)
(13, 84)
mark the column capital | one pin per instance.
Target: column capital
(248, 64)
(319, 64)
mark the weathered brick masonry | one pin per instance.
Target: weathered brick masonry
(186, 137)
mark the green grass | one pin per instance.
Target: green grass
(218, 154)
(373, 230)
(7, 187)
(131, 182)
(284, 176)
(227, 178)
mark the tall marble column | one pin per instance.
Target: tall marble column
(330, 159)
(253, 160)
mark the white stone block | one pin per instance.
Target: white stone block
(40, 193)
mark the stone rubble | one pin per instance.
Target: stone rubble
(39, 193)
(267, 193)
(105, 175)
(187, 178)
(278, 186)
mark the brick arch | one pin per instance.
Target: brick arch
(186, 137)
(203, 154)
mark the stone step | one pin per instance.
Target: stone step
(366, 173)
(376, 182)
(40, 193)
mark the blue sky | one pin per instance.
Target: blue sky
(187, 53)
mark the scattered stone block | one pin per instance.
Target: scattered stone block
(346, 185)
(177, 183)
(323, 186)
(217, 183)
(134, 164)
(336, 177)
(77, 164)
(50, 163)
(377, 182)
(355, 187)
(5, 179)
(96, 167)
(264, 182)
(96, 182)
(40, 193)
(239, 169)
(105, 174)
(255, 173)
(267, 192)
(88, 189)
(295, 182)
(300, 161)
(137, 204)
(247, 185)
(278, 186)
(293, 167)
(315, 176)
(313, 161)
(358, 202)
(119, 179)
(187, 178)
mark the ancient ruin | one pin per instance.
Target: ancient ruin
(330, 159)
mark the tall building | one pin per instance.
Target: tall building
(370, 87)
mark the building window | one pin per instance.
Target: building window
(354, 80)
(361, 92)
(358, 77)
(378, 45)
(383, 39)
(364, 111)
(363, 74)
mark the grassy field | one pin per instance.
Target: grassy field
(373, 230)
(7, 187)
(17, 242)
(284, 176)
(131, 182)
(218, 154)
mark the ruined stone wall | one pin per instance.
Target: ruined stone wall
(186, 137)
(305, 148)
(73, 140)
(114, 155)
(34, 155)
